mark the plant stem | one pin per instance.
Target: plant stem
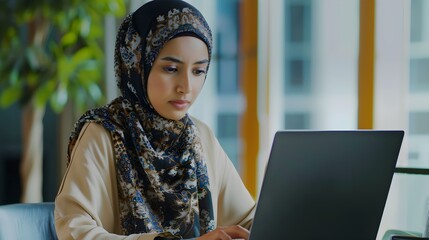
(31, 162)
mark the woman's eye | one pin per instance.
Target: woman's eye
(199, 72)
(170, 69)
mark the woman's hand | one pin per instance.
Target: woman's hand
(226, 233)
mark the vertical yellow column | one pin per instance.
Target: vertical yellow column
(366, 64)
(249, 84)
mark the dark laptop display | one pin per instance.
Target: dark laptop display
(326, 185)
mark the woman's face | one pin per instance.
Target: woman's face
(177, 76)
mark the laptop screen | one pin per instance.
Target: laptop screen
(326, 184)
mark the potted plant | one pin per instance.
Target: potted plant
(50, 53)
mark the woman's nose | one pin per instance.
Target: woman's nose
(184, 85)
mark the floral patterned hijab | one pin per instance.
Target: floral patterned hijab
(162, 178)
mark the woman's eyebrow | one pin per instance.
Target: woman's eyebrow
(176, 60)
(171, 59)
(204, 61)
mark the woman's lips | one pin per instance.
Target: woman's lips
(180, 104)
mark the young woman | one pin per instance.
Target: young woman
(141, 167)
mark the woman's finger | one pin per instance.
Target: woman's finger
(236, 232)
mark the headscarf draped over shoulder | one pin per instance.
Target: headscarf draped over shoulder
(163, 186)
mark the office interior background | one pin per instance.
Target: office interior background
(288, 64)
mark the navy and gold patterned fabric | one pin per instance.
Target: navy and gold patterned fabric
(162, 176)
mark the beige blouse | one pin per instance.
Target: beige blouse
(86, 206)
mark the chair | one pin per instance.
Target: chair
(27, 221)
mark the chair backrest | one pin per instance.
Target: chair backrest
(27, 221)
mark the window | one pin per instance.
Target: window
(418, 116)
(418, 152)
(297, 121)
(416, 21)
(419, 74)
(220, 103)
(226, 49)
(419, 123)
(298, 21)
(402, 97)
(227, 134)
(310, 57)
(298, 46)
(227, 67)
(298, 78)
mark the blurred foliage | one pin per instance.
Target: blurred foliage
(51, 51)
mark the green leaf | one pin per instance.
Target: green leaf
(89, 66)
(59, 99)
(80, 98)
(14, 77)
(69, 38)
(65, 69)
(117, 7)
(81, 55)
(88, 77)
(44, 92)
(71, 57)
(85, 26)
(33, 79)
(10, 95)
(32, 58)
(95, 92)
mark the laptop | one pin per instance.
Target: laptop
(326, 185)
